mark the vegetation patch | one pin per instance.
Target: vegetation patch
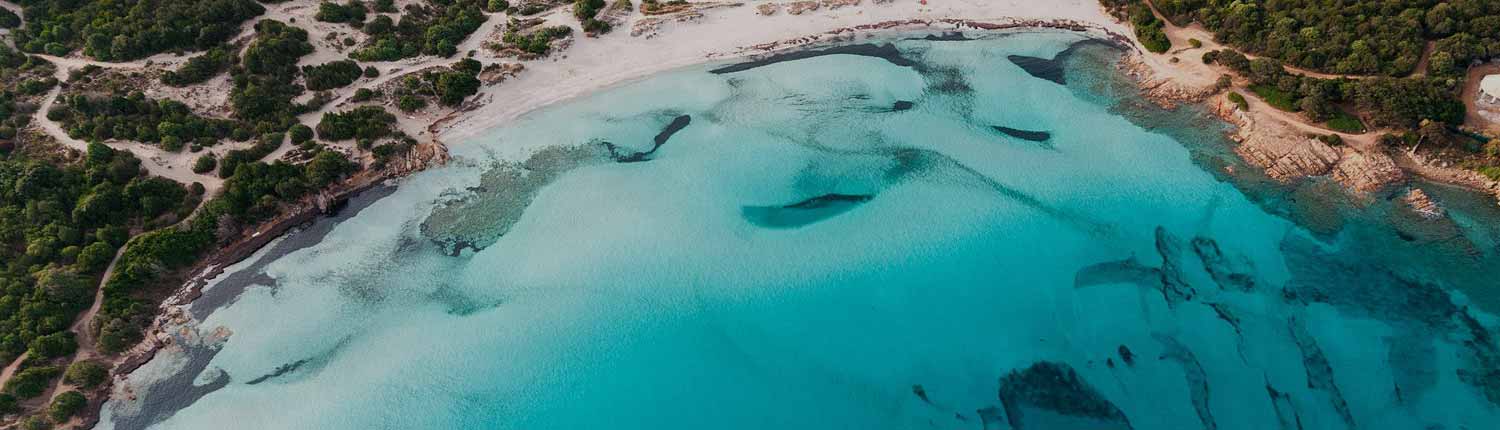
(331, 75)
(202, 67)
(1148, 29)
(1344, 122)
(448, 86)
(435, 29)
(536, 42)
(264, 80)
(129, 29)
(364, 122)
(1239, 100)
(133, 117)
(60, 225)
(1275, 97)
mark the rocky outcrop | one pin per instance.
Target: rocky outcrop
(498, 72)
(1420, 203)
(1163, 90)
(1366, 171)
(1285, 158)
(768, 9)
(835, 4)
(800, 7)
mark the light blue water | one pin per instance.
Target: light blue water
(806, 253)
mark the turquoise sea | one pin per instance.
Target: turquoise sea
(900, 234)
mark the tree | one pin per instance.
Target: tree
(205, 163)
(331, 75)
(65, 405)
(30, 382)
(86, 374)
(300, 133)
(54, 345)
(327, 167)
(95, 257)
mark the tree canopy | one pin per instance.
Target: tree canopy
(129, 29)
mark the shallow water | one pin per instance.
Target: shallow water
(853, 241)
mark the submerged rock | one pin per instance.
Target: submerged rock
(1220, 268)
(1029, 135)
(678, 123)
(1197, 379)
(1050, 395)
(1173, 287)
(478, 219)
(804, 212)
(1041, 68)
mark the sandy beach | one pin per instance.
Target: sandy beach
(726, 33)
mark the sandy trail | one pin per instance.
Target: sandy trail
(10, 369)
(1179, 35)
(1190, 65)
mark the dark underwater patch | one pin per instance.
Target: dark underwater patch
(1055, 387)
(677, 124)
(1028, 135)
(1049, 69)
(280, 370)
(947, 36)
(884, 51)
(804, 212)
(902, 105)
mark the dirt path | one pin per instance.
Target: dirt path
(10, 369)
(1179, 35)
(1420, 69)
(174, 166)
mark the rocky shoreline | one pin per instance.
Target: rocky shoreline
(309, 209)
(1288, 154)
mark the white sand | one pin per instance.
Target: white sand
(722, 33)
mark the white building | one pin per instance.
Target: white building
(1489, 90)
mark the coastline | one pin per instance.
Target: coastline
(737, 33)
(552, 81)
(468, 122)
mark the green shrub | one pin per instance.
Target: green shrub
(350, 12)
(65, 405)
(1344, 122)
(1493, 172)
(1195, 43)
(31, 382)
(206, 163)
(300, 133)
(368, 122)
(200, 68)
(86, 374)
(363, 95)
(59, 344)
(331, 75)
(9, 404)
(1275, 97)
(35, 422)
(410, 103)
(1239, 100)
